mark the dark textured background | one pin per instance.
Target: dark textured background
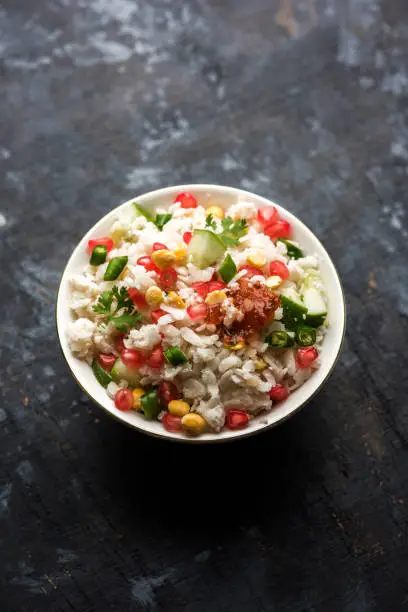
(304, 102)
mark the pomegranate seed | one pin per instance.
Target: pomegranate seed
(250, 271)
(187, 200)
(156, 358)
(158, 246)
(124, 399)
(204, 289)
(106, 361)
(236, 419)
(137, 297)
(148, 264)
(278, 268)
(267, 215)
(187, 236)
(132, 359)
(108, 242)
(168, 392)
(279, 229)
(167, 278)
(197, 312)
(171, 422)
(306, 356)
(119, 344)
(215, 286)
(156, 314)
(278, 393)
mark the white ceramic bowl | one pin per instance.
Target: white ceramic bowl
(222, 196)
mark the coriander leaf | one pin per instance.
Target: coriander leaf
(110, 303)
(104, 303)
(161, 220)
(122, 298)
(124, 321)
(209, 222)
(232, 231)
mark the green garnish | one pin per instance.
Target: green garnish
(98, 255)
(149, 403)
(291, 249)
(102, 376)
(143, 212)
(117, 306)
(305, 335)
(161, 220)
(175, 356)
(232, 231)
(115, 267)
(279, 339)
(228, 269)
(209, 222)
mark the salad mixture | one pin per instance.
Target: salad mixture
(200, 318)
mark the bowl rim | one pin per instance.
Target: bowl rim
(242, 433)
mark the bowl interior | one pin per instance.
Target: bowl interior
(222, 196)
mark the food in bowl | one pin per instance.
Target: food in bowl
(198, 317)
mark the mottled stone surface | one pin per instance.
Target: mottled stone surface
(304, 102)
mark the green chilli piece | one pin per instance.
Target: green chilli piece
(98, 255)
(140, 211)
(115, 267)
(305, 335)
(175, 356)
(150, 405)
(279, 339)
(103, 377)
(161, 220)
(292, 250)
(228, 269)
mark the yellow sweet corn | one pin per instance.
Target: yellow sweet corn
(215, 211)
(178, 408)
(163, 258)
(154, 296)
(257, 259)
(193, 424)
(215, 297)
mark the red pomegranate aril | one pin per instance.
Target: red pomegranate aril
(215, 286)
(156, 358)
(278, 268)
(137, 297)
(204, 288)
(119, 344)
(106, 361)
(197, 312)
(123, 399)
(278, 393)
(156, 314)
(187, 200)
(267, 215)
(306, 356)
(279, 229)
(250, 271)
(107, 242)
(236, 419)
(158, 246)
(148, 264)
(168, 392)
(167, 278)
(187, 236)
(132, 359)
(171, 422)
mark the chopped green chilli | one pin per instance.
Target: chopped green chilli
(103, 377)
(115, 267)
(98, 255)
(150, 405)
(175, 356)
(279, 339)
(140, 211)
(293, 251)
(161, 220)
(305, 335)
(228, 269)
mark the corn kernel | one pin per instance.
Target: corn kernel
(163, 258)
(257, 259)
(173, 299)
(193, 424)
(215, 211)
(154, 296)
(117, 235)
(273, 282)
(180, 253)
(137, 394)
(260, 365)
(234, 347)
(178, 408)
(215, 297)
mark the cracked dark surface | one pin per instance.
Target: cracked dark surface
(304, 102)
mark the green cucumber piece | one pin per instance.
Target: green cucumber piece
(121, 372)
(205, 248)
(115, 267)
(291, 249)
(294, 312)
(140, 211)
(228, 269)
(150, 405)
(316, 307)
(102, 376)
